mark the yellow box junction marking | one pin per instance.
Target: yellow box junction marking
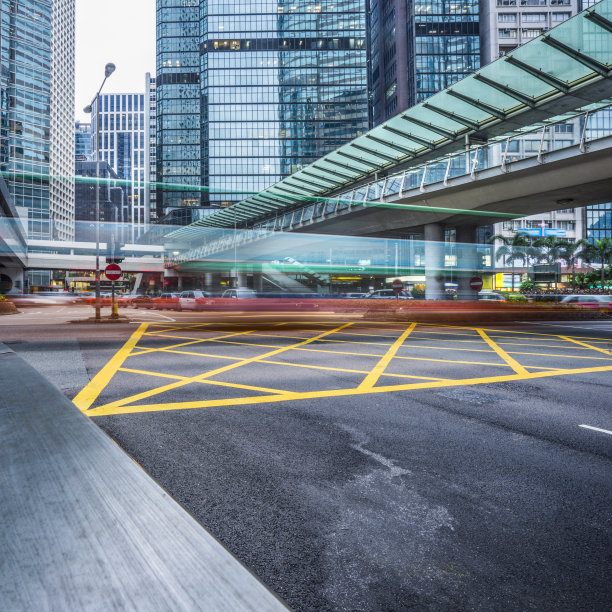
(370, 384)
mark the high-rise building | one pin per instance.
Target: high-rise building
(151, 146)
(61, 149)
(248, 93)
(120, 136)
(417, 48)
(505, 25)
(36, 112)
(82, 141)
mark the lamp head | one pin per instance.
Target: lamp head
(109, 69)
(87, 109)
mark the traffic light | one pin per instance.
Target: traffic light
(115, 260)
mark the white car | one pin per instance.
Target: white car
(491, 296)
(389, 294)
(193, 300)
(240, 293)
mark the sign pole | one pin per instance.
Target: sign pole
(114, 314)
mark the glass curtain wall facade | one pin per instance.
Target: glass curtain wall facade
(283, 83)
(25, 108)
(446, 44)
(417, 48)
(178, 104)
(120, 137)
(278, 85)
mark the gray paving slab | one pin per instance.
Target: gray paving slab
(83, 527)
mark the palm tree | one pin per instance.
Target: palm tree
(512, 249)
(600, 250)
(552, 250)
(571, 252)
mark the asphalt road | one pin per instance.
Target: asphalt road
(466, 482)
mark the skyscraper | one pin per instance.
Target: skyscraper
(273, 85)
(36, 112)
(151, 146)
(61, 148)
(419, 47)
(120, 136)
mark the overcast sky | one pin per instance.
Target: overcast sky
(118, 31)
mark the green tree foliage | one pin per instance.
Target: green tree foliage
(513, 249)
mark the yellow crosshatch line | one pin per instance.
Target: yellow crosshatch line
(324, 332)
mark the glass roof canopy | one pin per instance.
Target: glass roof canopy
(497, 99)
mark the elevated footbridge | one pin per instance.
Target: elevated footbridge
(463, 130)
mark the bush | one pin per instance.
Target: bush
(527, 286)
(515, 297)
(2, 298)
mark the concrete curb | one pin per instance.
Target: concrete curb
(84, 528)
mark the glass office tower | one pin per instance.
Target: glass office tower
(417, 48)
(25, 80)
(446, 44)
(281, 83)
(37, 112)
(178, 103)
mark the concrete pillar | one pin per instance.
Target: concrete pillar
(179, 285)
(241, 280)
(258, 281)
(208, 281)
(467, 256)
(434, 261)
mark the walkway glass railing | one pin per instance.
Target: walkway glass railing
(575, 130)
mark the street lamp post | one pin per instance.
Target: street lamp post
(108, 70)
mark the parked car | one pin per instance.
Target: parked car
(167, 301)
(354, 296)
(600, 302)
(193, 300)
(239, 293)
(389, 294)
(490, 296)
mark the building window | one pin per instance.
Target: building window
(559, 17)
(507, 18)
(531, 32)
(506, 2)
(533, 17)
(391, 89)
(506, 33)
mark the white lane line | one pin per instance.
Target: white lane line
(603, 326)
(596, 429)
(154, 314)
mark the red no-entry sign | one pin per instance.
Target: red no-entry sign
(476, 283)
(397, 285)
(112, 272)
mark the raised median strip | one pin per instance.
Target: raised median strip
(83, 527)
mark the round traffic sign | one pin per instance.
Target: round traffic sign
(112, 272)
(476, 283)
(397, 285)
